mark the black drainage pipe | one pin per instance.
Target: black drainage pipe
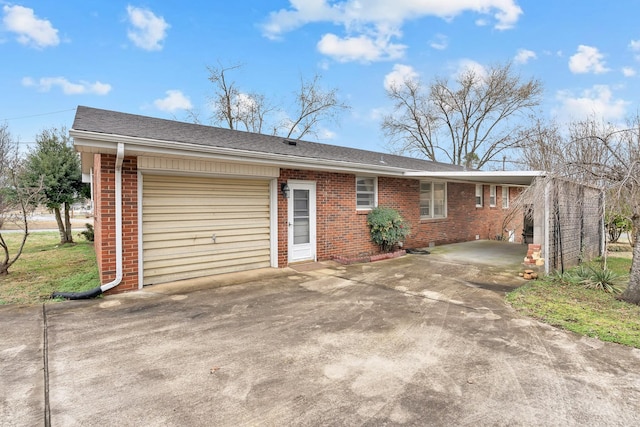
(91, 293)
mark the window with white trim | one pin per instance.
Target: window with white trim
(505, 197)
(366, 188)
(492, 196)
(433, 199)
(479, 201)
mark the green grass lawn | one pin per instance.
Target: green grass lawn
(573, 307)
(46, 266)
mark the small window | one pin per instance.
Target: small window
(505, 197)
(433, 199)
(479, 201)
(366, 192)
(492, 196)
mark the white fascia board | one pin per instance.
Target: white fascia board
(512, 178)
(85, 141)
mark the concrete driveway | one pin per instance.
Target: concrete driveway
(418, 340)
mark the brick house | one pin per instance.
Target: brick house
(174, 200)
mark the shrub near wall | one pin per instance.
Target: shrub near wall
(387, 228)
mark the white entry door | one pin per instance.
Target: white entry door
(302, 221)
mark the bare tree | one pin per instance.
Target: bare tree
(225, 94)
(254, 112)
(470, 121)
(16, 200)
(313, 105)
(607, 157)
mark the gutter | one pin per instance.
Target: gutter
(98, 290)
(143, 146)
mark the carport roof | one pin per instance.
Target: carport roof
(146, 133)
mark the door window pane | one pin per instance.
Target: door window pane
(301, 230)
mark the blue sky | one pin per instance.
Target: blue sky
(150, 57)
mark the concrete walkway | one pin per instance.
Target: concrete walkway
(419, 340)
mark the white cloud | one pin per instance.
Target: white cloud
(628, 71)
(148, 30)
(524, 55)
(361, 48)
(370, 25)
(439, 42)
(468, 65)
(175, 100)
(399, 75)
(30, 29)
(587, 59)
(244, 104)
(326, 134)
(357, 12)
(45, 84)
(597, 101)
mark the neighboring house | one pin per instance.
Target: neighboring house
(175, 200)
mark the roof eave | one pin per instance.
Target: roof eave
(96, 142)
(514, 178)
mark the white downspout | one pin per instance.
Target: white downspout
(118, 176)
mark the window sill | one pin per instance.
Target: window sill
(425, 220)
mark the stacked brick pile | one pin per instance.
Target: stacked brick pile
(534, 255)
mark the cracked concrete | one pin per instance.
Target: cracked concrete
(418, 340)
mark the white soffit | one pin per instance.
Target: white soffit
(515, 178)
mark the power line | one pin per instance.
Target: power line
(37, 115)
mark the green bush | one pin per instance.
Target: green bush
(387, 228)
(89, 233)
(616, 225)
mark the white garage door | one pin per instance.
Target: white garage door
(195, 227)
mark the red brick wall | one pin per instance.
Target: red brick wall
(105, 225)
(342, 230)
(339, 227)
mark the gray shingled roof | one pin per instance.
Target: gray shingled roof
(116, 123)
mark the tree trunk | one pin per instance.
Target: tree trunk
(67, 223)
(64, 228)
(56, 212)
(632, 293)
(4, 264)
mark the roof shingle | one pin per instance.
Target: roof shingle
(131, 125)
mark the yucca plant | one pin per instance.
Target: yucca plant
(604, 280)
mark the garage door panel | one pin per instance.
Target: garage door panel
(203, 260)
(243, 227)
(224, 211)
(181, 215)
(158, 249)
(223, 200)
(179, 239)
(201, 220)
(234, 268)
